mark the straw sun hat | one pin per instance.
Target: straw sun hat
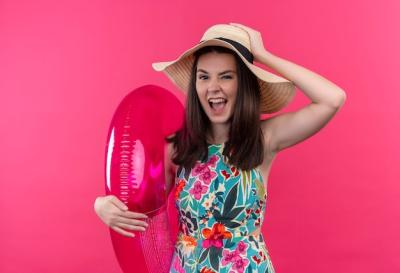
(276, 92)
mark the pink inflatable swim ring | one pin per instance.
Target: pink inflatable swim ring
(135, 173)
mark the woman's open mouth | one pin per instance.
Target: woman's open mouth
(217, 105)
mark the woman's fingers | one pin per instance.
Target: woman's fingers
(131, 214)
(133, 218)
(123, 232)
(120, 222)
(131, 227)
(134, 222)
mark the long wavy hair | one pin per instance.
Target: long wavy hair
(245, 146)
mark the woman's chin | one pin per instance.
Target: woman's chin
(219, 119)
(219, 116)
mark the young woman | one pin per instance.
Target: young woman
(219, 161)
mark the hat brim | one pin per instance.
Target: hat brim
(259, 72)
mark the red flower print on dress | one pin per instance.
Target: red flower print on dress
(225, 174)
(179, 188)
(199, 168)
(198, 189)
(234, 171)
(229, 257)
(215, 236)
(240, 265)
(207, 270)
(259, 260)
(241, 247)
(207, 176)
(212, 161)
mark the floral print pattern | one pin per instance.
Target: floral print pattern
(219, 206)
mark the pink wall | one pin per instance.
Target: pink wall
(65, 65)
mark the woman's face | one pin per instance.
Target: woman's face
(216, 85)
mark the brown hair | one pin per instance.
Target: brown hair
(245, 147)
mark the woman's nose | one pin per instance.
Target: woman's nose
(214, 85)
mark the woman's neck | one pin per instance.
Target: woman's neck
(218, 134)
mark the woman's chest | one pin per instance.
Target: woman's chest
(217, 186)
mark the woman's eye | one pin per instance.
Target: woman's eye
(205, 77)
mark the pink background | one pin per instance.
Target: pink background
(65, 65)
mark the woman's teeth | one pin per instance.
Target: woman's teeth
(217, 104)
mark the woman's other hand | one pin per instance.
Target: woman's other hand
(115, 214)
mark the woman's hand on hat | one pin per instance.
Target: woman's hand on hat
(256, 42)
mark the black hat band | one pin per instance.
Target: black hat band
(239, 47)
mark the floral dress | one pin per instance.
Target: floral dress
(218, 207)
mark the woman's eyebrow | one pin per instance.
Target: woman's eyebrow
(224, 72)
